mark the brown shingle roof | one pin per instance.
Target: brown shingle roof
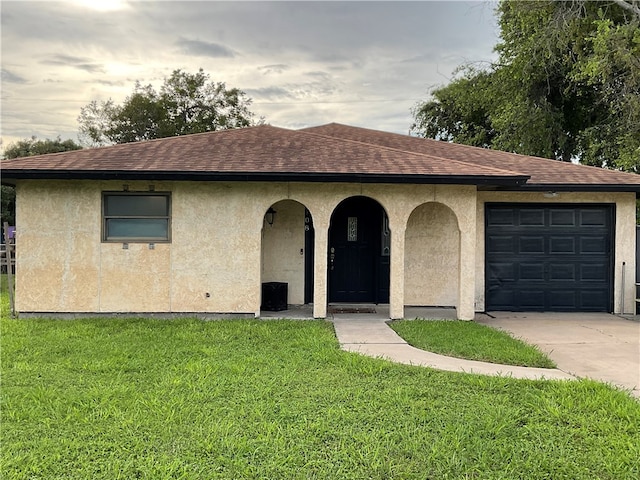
(327, 153)
(543, 172)
(259, 150)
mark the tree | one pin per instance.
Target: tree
(566, 86)
(186, 103)
(27, 148)
(32, 146)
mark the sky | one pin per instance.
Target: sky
(302, 63)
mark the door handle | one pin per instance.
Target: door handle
(332, 256)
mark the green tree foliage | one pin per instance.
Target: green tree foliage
(32, 146)
(186, 103)
(28, 148)
(8, 205)
(566, 85)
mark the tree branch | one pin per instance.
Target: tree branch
(631, 5)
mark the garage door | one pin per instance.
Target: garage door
(549, 258)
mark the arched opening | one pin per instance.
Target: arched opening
(432, 257)
(287, 249)
(359, 252)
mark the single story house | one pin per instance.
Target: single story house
(198, 223)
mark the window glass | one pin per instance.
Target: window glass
(352, 229)
(137, 228)
(136, 217)
(136, 205)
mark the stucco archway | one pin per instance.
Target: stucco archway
(287, 249)
(359, 252)
(432, 257)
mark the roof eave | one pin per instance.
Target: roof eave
(583, 187)
(11, 176)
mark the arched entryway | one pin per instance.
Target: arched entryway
(288, 249)
(359, 252)
(432, 257)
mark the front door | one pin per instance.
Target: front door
(358, 263)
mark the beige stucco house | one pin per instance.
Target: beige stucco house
(196, 224)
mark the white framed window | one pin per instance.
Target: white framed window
(136, 217)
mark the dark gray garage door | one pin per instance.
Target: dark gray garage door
(549, 258)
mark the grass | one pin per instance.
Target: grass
(187, 399)
(470, 340)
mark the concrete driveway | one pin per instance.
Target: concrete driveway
(593, 345)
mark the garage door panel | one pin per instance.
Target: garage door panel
(592, 300)
(501, 296)
(501, 244)
(531, 218)
(502, 272)
(563, 300)
(504, 216)
(562, 272)
(562, 217)
(594, 272)
(531, 299)
(549, 258)
(593, 218)
(531, 245)
(594, 245)
(532, 271)
(562, 245)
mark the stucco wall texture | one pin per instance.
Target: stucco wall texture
(221, 249)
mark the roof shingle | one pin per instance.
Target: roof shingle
(543, 171)
(332, 152)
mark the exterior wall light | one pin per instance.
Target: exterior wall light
(270, 215)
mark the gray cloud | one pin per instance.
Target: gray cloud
(91, 67)
(109, 83)
(204, 49)
(10, 77)
(61, 59)
(270, 93)
(80, 63)
(319, 75)
(277, 68)
(304, 63)
(304, 91)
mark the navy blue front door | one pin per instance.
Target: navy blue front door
(358, 270)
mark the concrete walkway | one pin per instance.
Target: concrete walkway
(602, 347)
(592, 345)
(370, 335)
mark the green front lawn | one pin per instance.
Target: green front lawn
(107, 399)
(470, 340)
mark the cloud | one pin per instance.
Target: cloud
(60, 59)
(10, 77)
(109, 83)
(303, 63)
(270, 93)
(303, 91)
(91, 67)
(80, 63)
(319, 75)
(277, 68)
(204, 49)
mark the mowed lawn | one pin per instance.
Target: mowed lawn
(107, 399)
(470, 340)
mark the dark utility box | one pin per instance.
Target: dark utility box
(274, 296)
